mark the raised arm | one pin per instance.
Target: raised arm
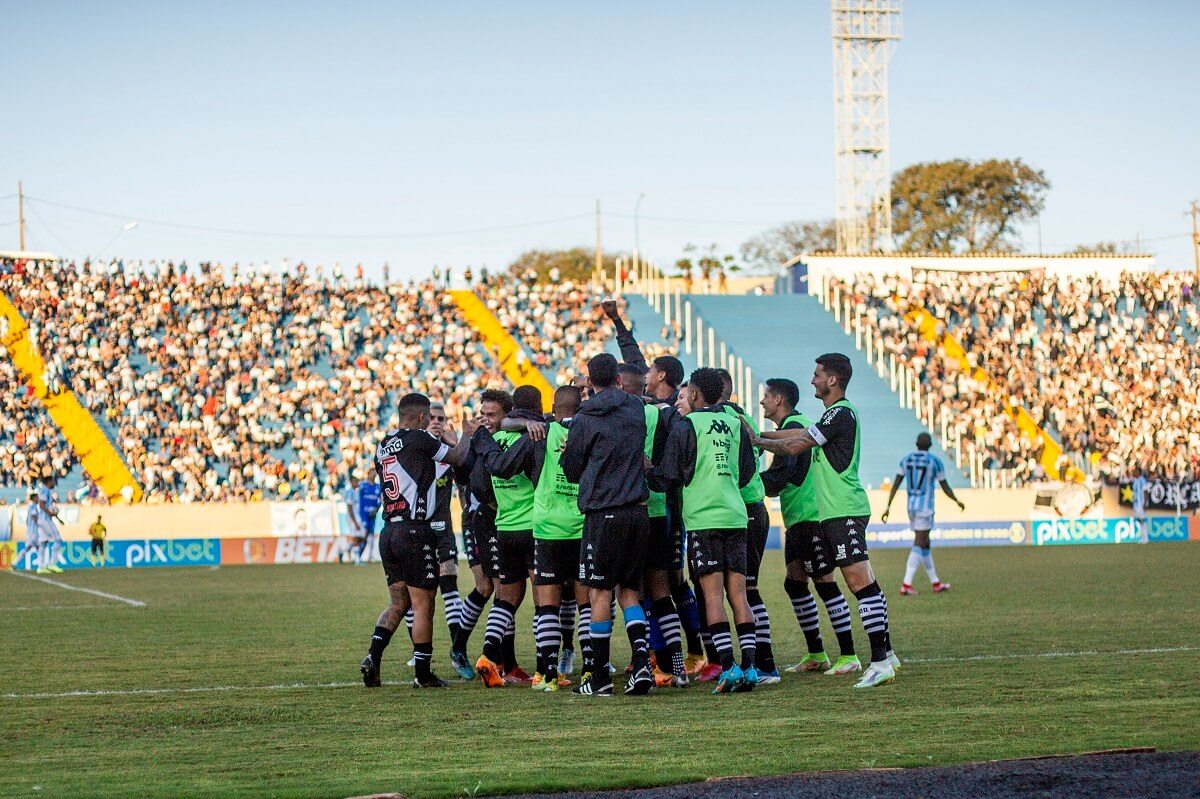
(630, 351)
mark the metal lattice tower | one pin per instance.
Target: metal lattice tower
(863, 32)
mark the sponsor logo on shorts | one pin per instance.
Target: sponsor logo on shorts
(841, 551)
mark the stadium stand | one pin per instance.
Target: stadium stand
(780, 335)
(1110, 370)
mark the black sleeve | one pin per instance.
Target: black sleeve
(661, 432)
(679, 456)
(630, 351)
(747, 463)
(506, 463)
(779, 473)
(426, 445)
(836, 424)
(577, 448)
(539, 460)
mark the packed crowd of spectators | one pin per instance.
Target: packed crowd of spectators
(244, 385)
(1110, 370)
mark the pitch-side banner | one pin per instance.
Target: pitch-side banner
(255, 551)
(960, 534)
(130, 553)
(302, 519)
(1165, 495)
(1055, 532)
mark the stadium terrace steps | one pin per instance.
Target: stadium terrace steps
(506, 351)
(779, 335)
(96, 452)
(646, 324)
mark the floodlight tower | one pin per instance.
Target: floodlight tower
(863, 33)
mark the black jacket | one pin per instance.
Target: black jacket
(523, 456)
(605, 451)
(632, 353)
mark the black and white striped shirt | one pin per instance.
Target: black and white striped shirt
(406, 461)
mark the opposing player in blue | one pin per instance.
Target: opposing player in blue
(924, 472)
(368, 497)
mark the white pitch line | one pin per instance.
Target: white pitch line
(137, 603)
(208, 689)
(1037, 655)
(300, 686)
(6, 609)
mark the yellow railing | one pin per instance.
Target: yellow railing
(502, 345)
(926, 325)
(100, 459)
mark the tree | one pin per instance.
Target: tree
(1102, 248)
(960, 205)
(574, 264)
(773, 248)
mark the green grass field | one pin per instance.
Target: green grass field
(250, 627)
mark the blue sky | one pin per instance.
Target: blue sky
(409, 119)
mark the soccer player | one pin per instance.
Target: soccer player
(758, 527)
(557, 531)
(843, 506)
(604, 453)
(789, 479)
(508, 458)
(710, 458)
(367, 501)
(479, 529)
(97, 531)
(1140, 487)
(49, 537)
(406, 462)
(659, 382)
(33, 532)
(447, 548)
(666, 633)
(924, 472)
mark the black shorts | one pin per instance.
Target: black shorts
(97, 546)
(613, 549)
(712, 551)
(483, 531)
(659, 546)
(469, 547)
(555, 560)
(843, 542)
(757, 527)
(408, 551)
(802, 542)
(447, 543)
(516, 556)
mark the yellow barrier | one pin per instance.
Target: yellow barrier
(1051, 449)
(502, 345)
(100, 459)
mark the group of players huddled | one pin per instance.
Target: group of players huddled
(595, 504)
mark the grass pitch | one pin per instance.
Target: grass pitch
(1034, 651)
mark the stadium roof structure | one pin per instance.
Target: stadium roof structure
(1105, 266)
(27, 255)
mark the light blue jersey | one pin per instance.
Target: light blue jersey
(922, 472)
(1140, 486)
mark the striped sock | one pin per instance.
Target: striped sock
(764, 652)
(548, 637)
(566, 622)
(723, 643)
(452, 602)
(805, 608)
(408, 621)
(470, 611)
(706, 640)
(839, 615)
(689, 616)
(585, 637)
(498, 621)
(872, 607)
(671, 656)
(423, 655)
(747, 642)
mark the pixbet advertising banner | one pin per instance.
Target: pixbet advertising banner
(1057, 532)
(960, 534)
(131, 553)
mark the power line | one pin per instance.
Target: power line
(53, 235)
(265, 234)
(693, 221)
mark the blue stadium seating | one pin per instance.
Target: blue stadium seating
(646, 324)
(780, 335)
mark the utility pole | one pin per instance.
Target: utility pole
(21, 216)
(599, 253)
(1195, 212)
